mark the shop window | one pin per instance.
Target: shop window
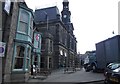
(51, 46)
(19, 58)
(23, 22)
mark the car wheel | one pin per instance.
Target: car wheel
(105, 81)
(86, 69)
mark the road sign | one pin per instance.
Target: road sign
(2, 49)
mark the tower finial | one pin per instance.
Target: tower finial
(65, 0)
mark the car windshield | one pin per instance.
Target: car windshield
(114, 66)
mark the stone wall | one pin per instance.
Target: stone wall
(0, 40)
(10, 43)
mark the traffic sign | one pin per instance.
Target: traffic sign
(2, 49)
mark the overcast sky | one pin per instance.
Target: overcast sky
(93, 20)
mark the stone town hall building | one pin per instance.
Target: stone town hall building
(58, 41)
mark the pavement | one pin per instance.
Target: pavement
(80, 76)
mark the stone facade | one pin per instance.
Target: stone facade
(18, 38)
(0, 40)
(71, 39)
(60, 37)
(9, 28)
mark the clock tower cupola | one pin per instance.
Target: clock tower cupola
(65, 12)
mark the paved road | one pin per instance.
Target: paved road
(79, 76)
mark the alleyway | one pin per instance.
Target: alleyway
(78, 77)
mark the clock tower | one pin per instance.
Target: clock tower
(65, 12)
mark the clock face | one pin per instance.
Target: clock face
(66, 6)
(65, 16)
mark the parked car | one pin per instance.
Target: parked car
(112, 73)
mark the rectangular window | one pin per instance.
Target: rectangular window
(28, 58)
(50, 62)
(42, 62)
(51, 46)
(23, 22)
(31, 27)
(23, 27)
(36, 60)
(24, 16)
(43, 45)
(18, 64)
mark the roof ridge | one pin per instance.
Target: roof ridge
(46, 8)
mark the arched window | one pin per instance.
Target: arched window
(19, 58)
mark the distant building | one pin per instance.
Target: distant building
(58, 41)
(78, 61)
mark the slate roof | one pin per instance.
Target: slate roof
(41, 15)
